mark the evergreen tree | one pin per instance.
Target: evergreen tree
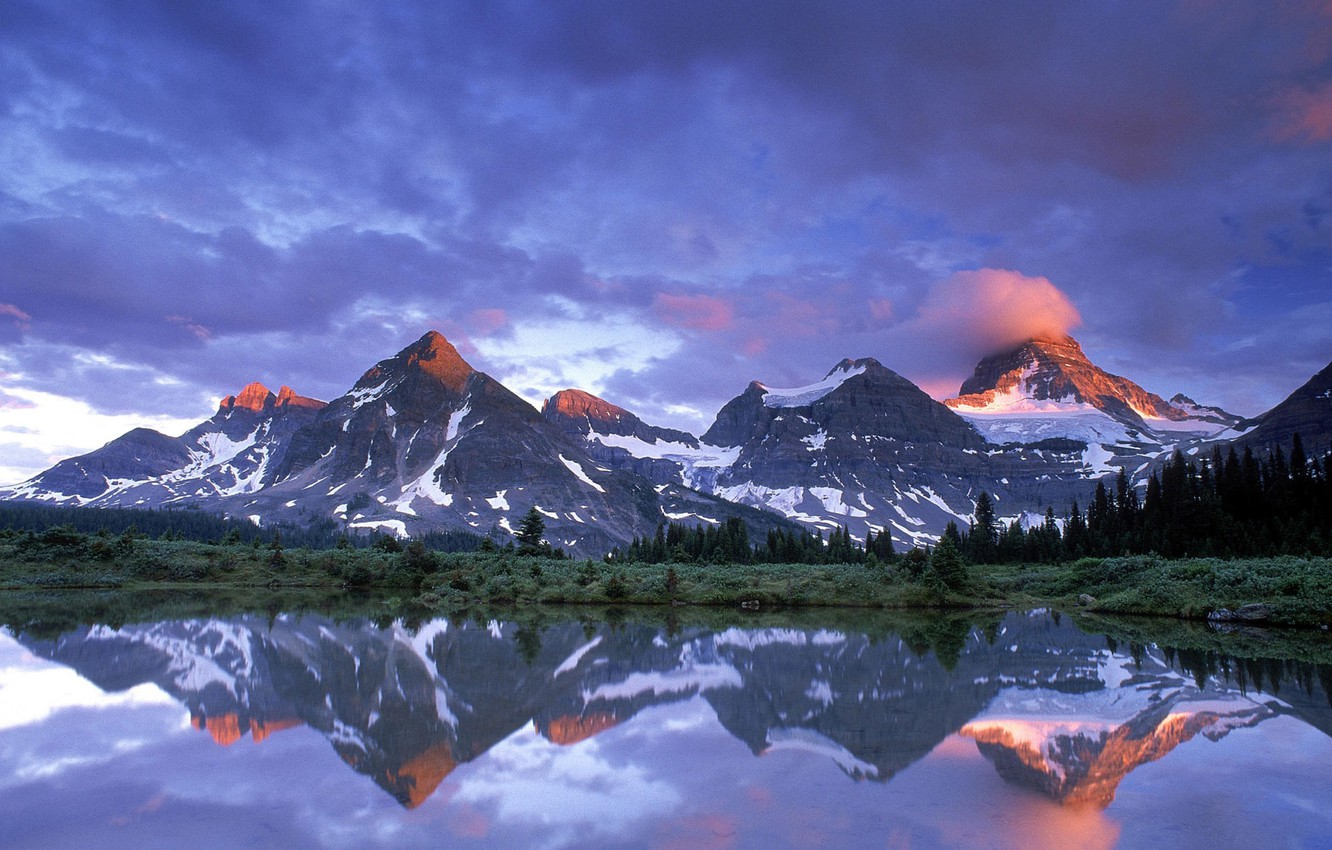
(530, 529)
(954, 536)
(982, 543)
(946, 569)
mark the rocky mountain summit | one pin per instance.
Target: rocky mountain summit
(1057, 371)
(863, 448)
(424, 441)
(235, 451)
(421, 441)
(1048, 387)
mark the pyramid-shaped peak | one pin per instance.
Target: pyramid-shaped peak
(1056, 346)
(436, 356)
(254, 397)
(433, 339)
(846, 364)
(1056, 370)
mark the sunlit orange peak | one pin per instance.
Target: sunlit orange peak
(261, 729)
(254, 397)
(571, 729)
(225, 728)
(418, 777)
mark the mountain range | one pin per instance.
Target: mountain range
(424, 441)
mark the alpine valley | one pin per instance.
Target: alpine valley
(423, 441)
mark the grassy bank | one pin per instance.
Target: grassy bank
(1296, 591)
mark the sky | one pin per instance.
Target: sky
(655, 202)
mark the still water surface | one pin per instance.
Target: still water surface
(300, 731)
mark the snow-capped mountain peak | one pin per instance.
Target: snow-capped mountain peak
(1048, 387)
(807, 395)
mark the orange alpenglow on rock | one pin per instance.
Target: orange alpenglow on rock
(1055, 369)
(1079, 768)
(257, 398)
(571, 729)
(437, 357)
(226, 728)
(287, 397)
(579, 405)
(261, 729)
(414, 782)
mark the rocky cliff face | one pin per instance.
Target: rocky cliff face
(616, 437)
(1057, 371)
(421, 441)
(235, 451)
(425, 441)
(862, 448)
(1307, 412)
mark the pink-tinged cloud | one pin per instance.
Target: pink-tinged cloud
(15, 313)
(788, 316)
(487, 321)
(1304, 116)
(9, 402)
(466, 822)
(969, 315)
(200, 332)
(881, 309)
(709, 831)
(696, 312)
(993, 309)
(754, 345)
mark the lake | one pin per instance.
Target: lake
(302, 730)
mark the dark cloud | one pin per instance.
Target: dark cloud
(212, 193)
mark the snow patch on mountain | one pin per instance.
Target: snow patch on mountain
(577, 469)
(696, 464)
(809, 741)
(929, 496)
(1016, 418)
(396, 526)
(215, 449)
(455, 421)
(783, 500)
(576, 656)
(688, 679)
(1184, 427)
(1096, 458)
(833, 502)
(807, 395)
(364, 395)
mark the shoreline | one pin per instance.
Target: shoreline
(1286, 591)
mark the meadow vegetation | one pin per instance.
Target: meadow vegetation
(1293, 590)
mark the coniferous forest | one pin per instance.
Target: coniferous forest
(1227, 505)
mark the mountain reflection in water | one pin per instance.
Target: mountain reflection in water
(1059, 714)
